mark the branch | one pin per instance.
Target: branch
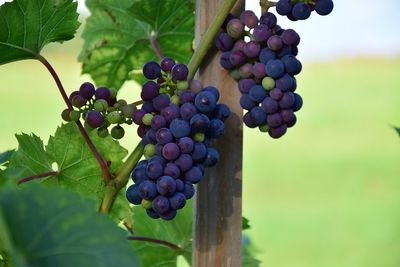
(156, 47)
(99, 158)
(265, 5)
(36, 176)
(208, 38)
(157, 241)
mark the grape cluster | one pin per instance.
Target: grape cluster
(301, 9)
(264, 66)
(177, 122)
(99, 109)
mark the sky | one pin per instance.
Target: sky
(355, 28)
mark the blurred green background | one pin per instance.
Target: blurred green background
(325, 195)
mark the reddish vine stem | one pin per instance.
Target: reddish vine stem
(157, 241)
(99, 158)
(156, 47)
(36, 176)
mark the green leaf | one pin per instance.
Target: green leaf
(397, 129)
(53, 227)
(178, 231)
(26, 26)
(245, 223)
(5, 156)
(117, 36)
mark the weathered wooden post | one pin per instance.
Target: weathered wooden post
(217, 227)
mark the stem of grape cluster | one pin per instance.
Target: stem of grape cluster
(156, 47)
(99, 158)
(265, 5)
(208, 38)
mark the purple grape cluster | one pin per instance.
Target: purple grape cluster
(264, 66)
(177, 122)
(99, 109)
(301, 9)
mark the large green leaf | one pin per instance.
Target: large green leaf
(5, 157)
(177, 231)
(117, 36)
(26, 26)
(44, 226)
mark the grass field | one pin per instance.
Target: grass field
(325, 195)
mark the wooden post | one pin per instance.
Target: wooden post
(217, 226)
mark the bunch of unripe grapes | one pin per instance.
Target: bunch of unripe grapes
(178, 122)
(100, 110)
(261, 56)
(301, 9)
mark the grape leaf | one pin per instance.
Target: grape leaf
(5, 157)
(245, 223)
(397, 129)
(26, 26)
(178, 231)
(44, 226)
(117, 36)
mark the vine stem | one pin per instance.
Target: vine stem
(157, 241)
(156, 47)
(265, 5)
(208, 38)
(37, 176)
(99, 158)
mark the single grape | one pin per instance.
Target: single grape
(216, 128)
(212, 158)
(171, 151)
(100, 105)
(301, 11)
(114, 117)
(199, 152)
(195, 86)
(246, 102)
(78, 101)
(167, 64)
(194, 174)
(225, 61)
(180, 72)
(65, 115)
(277, 132)
(266, 55)
(199, 123)
(188, 110)
(248, 120)
(164, 136)
(275, 68)
(172, 170)
(149, 90)
(237, 58)
(287, 101)
(274, 43)
(170, 113)
(160, 102)
(102, 132)
(284, 7)
(139, 174)
(246, 71)
(177, 201)
(245, 85)
(128, 110)
(258, 70)
(179, 128)
(103, 93)
(189, 190)
(285, 83)
(184, 162)
(268, 19)
(160, 204)
(257, 93)
(133, 194)
(205, 101)
(323, 7)
(268, 83)
(224, 42)
(249, 19)
(276, 94)
(168, 215)
(274, 120)
(261, 33)
(298, 102)
(87, 90)
(94, 118)
(151, 70)
(258, 115)
(138, 116)
(290, 37)
(152, 214)
(199, 137)
(149, 151)
(287, 115)
(252, 49)
(186, 144)
(147, 118)
(235, 28)
(74, 115)
(221, 112)
(158, 122)
(175, 100)
(148, 189)
(166, 186)
(292, 64)
(186, 96)
(117, 132)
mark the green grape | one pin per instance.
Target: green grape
(129, 121)
(175, 100)
(268, 83)
(199, 137)
(235, 74)
(146, 203)
(100, 105)
(117, 132)
(122, 103)
(149, 151)
(128, 110)
(182, 85)
(113, 117)
(65, 115)
(122, 119)
(74, 115)
(102, 132)
(147, 119)
(264, 128)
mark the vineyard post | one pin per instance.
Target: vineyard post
(217, 227)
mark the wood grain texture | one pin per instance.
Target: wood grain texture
(217, 224)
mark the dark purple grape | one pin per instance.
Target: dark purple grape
(148, 106)
(277, 132)
(268, 19)
(292, 64)
(186, 96)
(148, 189)
(246, 102)
(292, 122)
(275, 43)
(225, 60)
(167, 64)
(172, 170)
(74, 93)
(301, 11)
(257, 93)
(199, 152)
(139, 174)
(274, 120)
(199, 123)
(166, 186)
(149, 90)
(158, 159)
(188, 110)
(261, 33)
(275, 68)
(284, 7)
(276, 94)
(179, 128)
(224, 42)
(237, 58)
(246, 71)
(252, 49)
(298, 102)
(216, 128)
(258, 116)
(180, 185)
(205, 101)
(94, 118)
(78, 101)
(194, 174)
(285, 83)
(249, 19)
(171, 151)
(87, 90)
(212, 90)
(141, 130)
(287, 115)
(154, 169)
(151, 70)
(103, 93)
(164, 136)
(290, 37)
(133, 194)
(258, 70)
(245, 85)
(287, 100)
(161, 102)
(158, 122)
(168, 215)
(266, 55)
(222, 112)
(186, 144)
(248, 120)
(152, 214)
(323, 7)
(177, 201)
(158, 149)
(170, 113)
(239, 45)
(180, 72)
(212, 158)
(184, 162)
(189, 190)
(160, 204)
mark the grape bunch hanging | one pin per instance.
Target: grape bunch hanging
(261, 56)
(177, 123)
